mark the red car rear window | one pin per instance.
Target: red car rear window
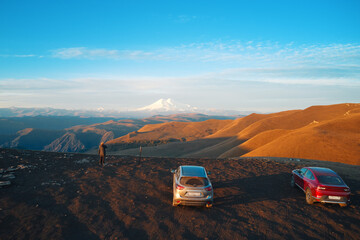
(330, 180)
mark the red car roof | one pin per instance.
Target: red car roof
(322, 171)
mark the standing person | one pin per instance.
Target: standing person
(102, 153)
(140, 155)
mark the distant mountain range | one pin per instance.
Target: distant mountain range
(160, 107)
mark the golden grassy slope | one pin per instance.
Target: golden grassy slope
(275, 125)
(335, 140)
(186, 131)
(319, 132)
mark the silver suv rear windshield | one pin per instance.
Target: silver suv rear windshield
(194, 181)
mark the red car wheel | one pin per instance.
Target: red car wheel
(309, 197)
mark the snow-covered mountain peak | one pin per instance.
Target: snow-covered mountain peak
(167, 105)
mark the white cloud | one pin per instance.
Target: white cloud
(92, 54)
(19, 55)
(246, 54)
(308, 75)
(25, 55)
(232, 53)
(84, 53)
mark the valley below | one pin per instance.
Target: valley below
(69, 196)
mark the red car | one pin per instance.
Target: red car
(321, 185)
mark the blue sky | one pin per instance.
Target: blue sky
(241, 55)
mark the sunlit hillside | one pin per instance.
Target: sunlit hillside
(329, 133)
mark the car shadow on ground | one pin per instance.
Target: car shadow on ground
(253, 189)
(274, 187)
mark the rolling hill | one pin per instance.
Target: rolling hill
(329, 133)
(181, 131)
(335, 140)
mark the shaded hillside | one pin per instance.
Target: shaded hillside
(37, 132)
(258, 141)
(286, 134)
(12, 125)
(68, 196)
(74, 139)
(30, 138)
(83, 138)
(64, 134)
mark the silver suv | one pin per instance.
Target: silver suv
(192, 186)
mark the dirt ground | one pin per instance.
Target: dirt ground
(68, 196)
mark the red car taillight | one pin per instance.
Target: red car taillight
(178, 187)
(208, 189)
